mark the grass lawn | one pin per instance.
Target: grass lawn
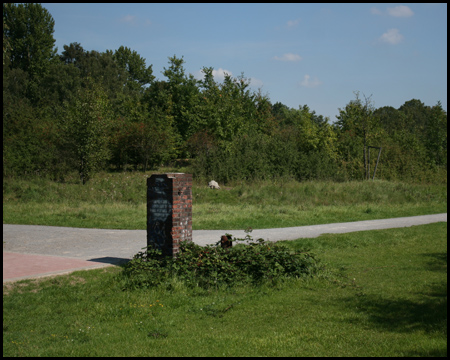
(382, 293)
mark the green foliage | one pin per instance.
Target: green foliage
(72, 54)
(357, 129)
(213, 266)
(414, 141)
(300, 149)
(226, 130)
(103, 69)
(138, 74)
(181, 98)
(27, 143)
(86, 125)
(29, 31)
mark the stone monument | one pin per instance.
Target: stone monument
(169, 211)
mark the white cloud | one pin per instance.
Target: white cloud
(130, 19)
(134, 20)
(288, 57)
(219, 74)
(375, 11)
(392, 36)
(307, 82)
(400, 11)
(256, 83)
(292, 23)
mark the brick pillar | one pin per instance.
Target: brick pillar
(169, 211)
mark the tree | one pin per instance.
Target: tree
(139, 75)
(29, 32)
(142, 137)
(436, 136)
(279, 110)
(390, 118)
(86, 125)
(183, 97)
(357, 127)
(227, 109)
(59, 85)
(6, 44)
(19, 140)
(72, 54)
(417, 114)
(429, 126)
(102, 68)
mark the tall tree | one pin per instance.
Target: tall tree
(357, 127)
(29, 31)
(6, 44)
(72, 53)
(436, 136)
(184, 96)
(102, 68)
(139, 75)
(86, 124)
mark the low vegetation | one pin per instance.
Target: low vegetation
(213, 266)
(118, 201)
(87, 111)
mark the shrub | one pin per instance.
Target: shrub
(213, 266)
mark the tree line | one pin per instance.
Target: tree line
(87, 111)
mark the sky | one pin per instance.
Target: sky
(297, 54)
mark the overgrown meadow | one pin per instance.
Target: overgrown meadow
(118, 201)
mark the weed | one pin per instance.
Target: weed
(213, 266)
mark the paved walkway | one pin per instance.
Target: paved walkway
(31, 251)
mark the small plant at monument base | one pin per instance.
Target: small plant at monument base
(212, 266)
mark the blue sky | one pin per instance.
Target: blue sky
(298, 54)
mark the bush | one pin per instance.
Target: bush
(317, 165)
(214, 266)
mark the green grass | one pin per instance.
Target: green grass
(118, 201)
(382, 293)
